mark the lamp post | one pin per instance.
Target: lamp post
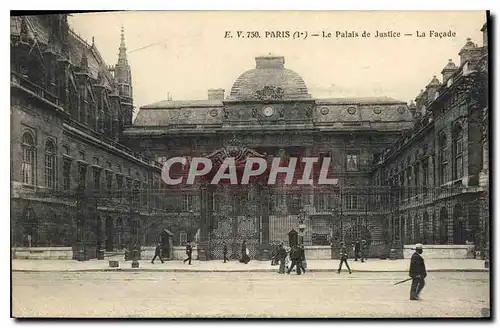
(302, 226)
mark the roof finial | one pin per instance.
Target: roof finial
(93, 42)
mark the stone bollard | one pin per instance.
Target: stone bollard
(100, 254)
(135, 256)
(392, 254)
(81, 254)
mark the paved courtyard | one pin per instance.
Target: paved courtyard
(245, 294)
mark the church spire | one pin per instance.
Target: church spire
(122, 54)
(123, 77)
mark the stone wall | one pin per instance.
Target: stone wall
(42, 253)
(438, 251)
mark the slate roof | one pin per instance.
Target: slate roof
(359, 101)
(182, 104)
(39, 31)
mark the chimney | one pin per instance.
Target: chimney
(448, 70)
(216, 94)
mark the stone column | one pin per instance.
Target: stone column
(205, 213)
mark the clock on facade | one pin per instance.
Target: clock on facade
(268, 111)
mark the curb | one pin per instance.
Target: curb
(233, 271)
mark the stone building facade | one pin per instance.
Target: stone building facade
(73, 183)
(269, 111)
(439, 168)
(90, 176)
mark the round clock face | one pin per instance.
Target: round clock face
(268, 111)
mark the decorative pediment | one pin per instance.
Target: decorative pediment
(269, 93)
(234, 148)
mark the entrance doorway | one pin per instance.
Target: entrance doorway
(109, 234)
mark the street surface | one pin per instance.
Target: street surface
(245, 294)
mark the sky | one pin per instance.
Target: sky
(185, 53)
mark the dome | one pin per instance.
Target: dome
(269, 75)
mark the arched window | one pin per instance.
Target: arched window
(443, 159)
(28, 160)
(457, 142)
(50, 163)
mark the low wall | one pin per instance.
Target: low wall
(178, 253)
(42, 253)
(439, 251)
(318, 252)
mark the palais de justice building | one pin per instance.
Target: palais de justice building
(405, 173)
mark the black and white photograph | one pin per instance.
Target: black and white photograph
(194, 164)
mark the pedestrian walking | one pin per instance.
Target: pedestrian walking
(343, 258)
(281, 258)
(224, 251)
(189, 252)
(157, 254)
(295, 258)
(417, 273)
(245, 254)
(357, 246)
(302, 259)
(363, 250)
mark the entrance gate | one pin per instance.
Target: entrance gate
(236, 215)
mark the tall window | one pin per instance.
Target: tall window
(135, 193)
(109, 182)
(28, 164)
(186, 203)
(425, 174)
(129, 189)
(50, 158)
(351, 201)
(443, 159)
(82, 176)
(67, 174)
(457, 140)
(294, 203)
(352, 163)
(119, 186)
(97, 179)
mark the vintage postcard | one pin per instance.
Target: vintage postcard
(194, 164)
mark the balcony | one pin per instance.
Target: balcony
(23, 82)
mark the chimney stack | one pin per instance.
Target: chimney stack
(216, 94)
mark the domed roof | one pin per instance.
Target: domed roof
(269, 79)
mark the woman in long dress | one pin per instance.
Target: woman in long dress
(245, 258)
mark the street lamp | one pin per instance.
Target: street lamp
(302, 226)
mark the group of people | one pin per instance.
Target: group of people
(297, 258)
(158, 250)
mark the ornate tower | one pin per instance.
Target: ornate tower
(124, 80)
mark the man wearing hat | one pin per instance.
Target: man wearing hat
(417, 272)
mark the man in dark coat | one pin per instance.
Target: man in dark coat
(224, 251)
(189, 252)
(301, 265)
(280, 258)
(157, 254)
(417, 273)
(295, 258)
(357, 248)
(343, 258)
